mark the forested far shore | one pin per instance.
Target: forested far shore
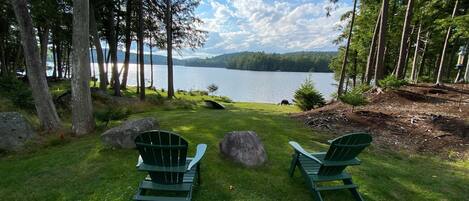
(260, 61)
(256, 61)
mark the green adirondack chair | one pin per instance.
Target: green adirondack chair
(171, 175)
(330, 166)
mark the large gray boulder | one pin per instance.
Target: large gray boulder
(15, 130)
(243, 147)
(123, 136)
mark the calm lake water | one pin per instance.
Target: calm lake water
(239, 85)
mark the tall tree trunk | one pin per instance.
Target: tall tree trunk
(413, 75)
(59, 60)
(347, 80)
(424, 56)
(128, 42)
(404, 39)
(3, 66)
(66, 62)
(107, 54)
(44, 41)
(344, 63)
(19, 60)
(443, 53)
(466, 75)
(354, 70)
(379, 67)
(54, 74)
(169, 47)
(92, 66)
(449, 63)
(140, 42)
(370, 64)
(151, 62)
(137, 67)
(362, 76)
(113, 51)
(69, 50)
(99, 50)
(409, 47)
(82, 111)
(437, 63)
(42, 99)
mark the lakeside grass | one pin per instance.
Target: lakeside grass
(84, 169)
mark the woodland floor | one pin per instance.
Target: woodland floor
(415, 118)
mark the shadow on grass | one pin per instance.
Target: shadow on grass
(86, 170)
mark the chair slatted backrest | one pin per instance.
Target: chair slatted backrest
(344, 148)
(166, 151)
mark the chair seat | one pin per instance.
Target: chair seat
(184, 187)
(159, 198)
(186, 184)
(311, 168)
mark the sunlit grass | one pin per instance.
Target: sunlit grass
(84, 169)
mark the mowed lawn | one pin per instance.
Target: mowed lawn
(84, 169)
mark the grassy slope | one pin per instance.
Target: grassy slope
(83, 169)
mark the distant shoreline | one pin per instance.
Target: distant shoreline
(317, 62)
(189, 66)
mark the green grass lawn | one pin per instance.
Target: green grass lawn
(84, 169)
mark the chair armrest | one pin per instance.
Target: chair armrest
(139, 161)
(198, 156)
(300, 149)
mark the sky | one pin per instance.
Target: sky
(273, 26)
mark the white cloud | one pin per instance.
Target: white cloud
(274, 26)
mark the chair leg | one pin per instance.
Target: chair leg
(293, 164)
(198, 174)
(354, 191)
(189, 195)
(316, 194)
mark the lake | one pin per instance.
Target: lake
(239, 85)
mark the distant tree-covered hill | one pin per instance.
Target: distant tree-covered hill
(260, 61)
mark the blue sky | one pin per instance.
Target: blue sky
(267, 25)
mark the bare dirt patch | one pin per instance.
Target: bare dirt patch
(416, 118)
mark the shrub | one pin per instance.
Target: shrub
(426, 79)
(354, 98)
(110, 113)
(224, 99)
(362, 88)
(179, 104)
(198, 93)
(391, 82)
(18, 92)
(156, 99)
(212, 88)
(181, 91)
(6, 105)
(100, 96)
(307, 97)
